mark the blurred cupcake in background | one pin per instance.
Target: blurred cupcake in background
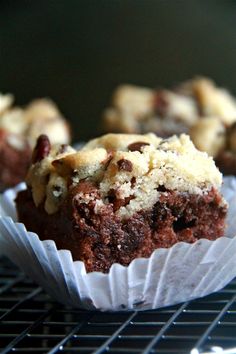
(197, 107)
(19, 129)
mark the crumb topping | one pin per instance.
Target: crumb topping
(197, 107)
(209, 134)
(138, 110)
(39, 117)
(214, 101)
(134, 100)
(135, 178)
(44, 180)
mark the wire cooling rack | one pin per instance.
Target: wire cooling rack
(31, 322)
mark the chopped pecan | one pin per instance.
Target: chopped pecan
(42, 148)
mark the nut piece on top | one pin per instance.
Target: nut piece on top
(121, 197)
(19, 129)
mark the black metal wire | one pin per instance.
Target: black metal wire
(31, 322)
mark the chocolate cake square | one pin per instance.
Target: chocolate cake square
(121, 197)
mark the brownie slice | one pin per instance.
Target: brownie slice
(121, 197)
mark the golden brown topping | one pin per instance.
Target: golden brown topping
(39, 117)
(135, 177)
(209, 134)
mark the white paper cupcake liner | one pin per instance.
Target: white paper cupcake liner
(180, 273)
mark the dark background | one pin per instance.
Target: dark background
(77, 51)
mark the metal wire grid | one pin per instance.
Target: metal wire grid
(31, 322)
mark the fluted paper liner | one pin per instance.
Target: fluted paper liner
(180, 273)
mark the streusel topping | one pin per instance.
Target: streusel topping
(137, 109)
(40, 116)
(136, 167)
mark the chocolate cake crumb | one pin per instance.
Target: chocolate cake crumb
(101, 239)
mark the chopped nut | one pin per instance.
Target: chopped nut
(125, 165)
(42, 148)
